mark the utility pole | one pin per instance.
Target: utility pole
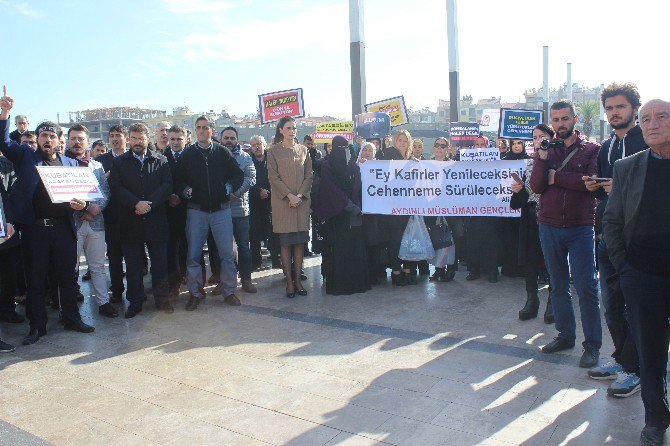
(454, 81)
(569, 83)
(357, 57)
(545, 82)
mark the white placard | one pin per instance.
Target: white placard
(63, 183)
(448, 188)
(486, 154)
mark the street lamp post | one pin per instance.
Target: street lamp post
(357, 57)
(454, 81)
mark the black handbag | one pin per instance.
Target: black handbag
(440, 233)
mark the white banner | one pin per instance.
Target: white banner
(450, 188)
(63, 183)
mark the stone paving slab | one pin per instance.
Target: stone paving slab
(432, 364)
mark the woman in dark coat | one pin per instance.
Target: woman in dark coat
(339, 208)
(529, 248)
(509, 227)
(375, 238)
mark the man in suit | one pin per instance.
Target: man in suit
(636, 229)
(176, 214)
(118, 140)
(141, 184)
(48, 228)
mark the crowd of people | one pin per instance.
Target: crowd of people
(594, 216)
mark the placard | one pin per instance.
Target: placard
(447, 188)
(373, 125)
(463, 134)
(490, 121)
(276, 105)
(485, 154)
(326, 131)
(518, 124)
(394, 107)
(63, 183)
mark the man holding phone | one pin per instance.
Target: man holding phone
(621, 103)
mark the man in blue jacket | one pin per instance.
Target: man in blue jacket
(48, 228)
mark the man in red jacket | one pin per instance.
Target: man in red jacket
(566, 219)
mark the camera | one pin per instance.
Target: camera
(552, 144)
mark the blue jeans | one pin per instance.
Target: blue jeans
(241, 233)
(198, 223)
(648, 303)
(578, 244)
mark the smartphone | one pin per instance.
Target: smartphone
(601, 180)
(516, 177)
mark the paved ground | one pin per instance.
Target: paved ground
(432, 364)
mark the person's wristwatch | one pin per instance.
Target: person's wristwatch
(300, 196)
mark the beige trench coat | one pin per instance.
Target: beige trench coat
(290, 172)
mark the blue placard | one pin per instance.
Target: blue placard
(518, 124)
(373, 125)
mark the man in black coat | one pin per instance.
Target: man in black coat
(141, 184)
(176, 214)
(117, 140)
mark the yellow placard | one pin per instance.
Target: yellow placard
(394, 107)
(335, 126)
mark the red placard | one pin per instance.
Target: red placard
(276, 105)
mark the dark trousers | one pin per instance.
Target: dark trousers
(483, 244)
(8, 260)
(176, 257)
(115, 256)
(648, 303)
(134, 255)
(612, 298)
(21, 282)
(533, 257)
(41, 242)
(395, 225)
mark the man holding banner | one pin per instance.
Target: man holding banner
(47, 227)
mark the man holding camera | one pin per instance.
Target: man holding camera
(621, 103)
(566, 217)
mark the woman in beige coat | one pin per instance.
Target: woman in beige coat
(290, 174)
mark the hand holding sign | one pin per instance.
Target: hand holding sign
(6, 103)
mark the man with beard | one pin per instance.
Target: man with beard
(161, 136)
(48, 228)
(204, 176)
(621, 103)
(141, 185)
(21, 122)
(90, 223)
(566, 218)
(239, 206)
(117, 139)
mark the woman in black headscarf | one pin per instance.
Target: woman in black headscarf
(338, 207)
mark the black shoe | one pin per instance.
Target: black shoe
(133, 310)
(12, 317)
(192, 303)
(529, 311)
(410, 278)
(589, 358)
(108, 310)
(493, 276)
(549, 313)
(5, 347)
(232, 300)
(557, 345)
(116, 298)
(78, 325)
(439, 272)
(33, 336)
(302, 292)
(87, 276)
(448, 276)
(80, 297)
(652, 436)
(165, 307)
(216, 291)
(472, 275)
(398, 279)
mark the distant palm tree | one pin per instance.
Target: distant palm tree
(588, 112)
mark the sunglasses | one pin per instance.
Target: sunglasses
(444, 146)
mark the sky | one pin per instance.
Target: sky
(67, 55)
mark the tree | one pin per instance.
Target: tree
(588, 112)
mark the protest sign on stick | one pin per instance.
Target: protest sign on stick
(276, 105)
(326, 131)
(518, 124)
(447, 188)
(63, 183)
(373, 125)
(394, 107)
(485, 154)
(463, 134)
